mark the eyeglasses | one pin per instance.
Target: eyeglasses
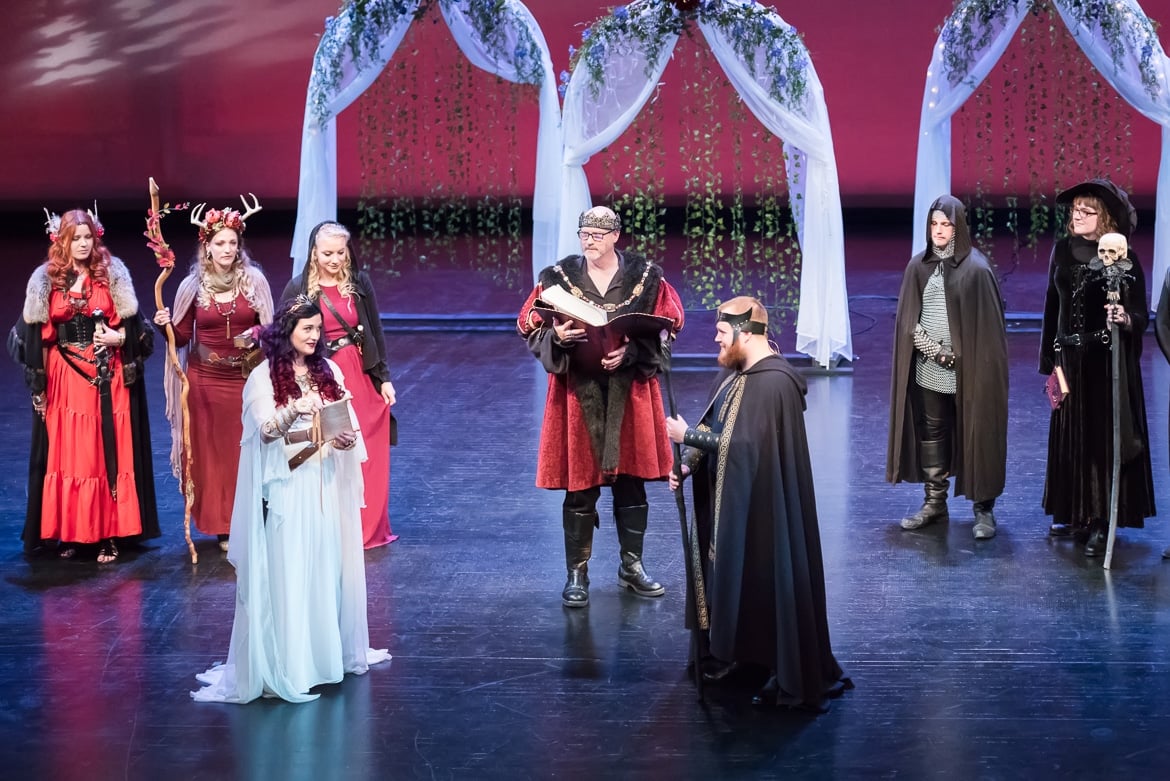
(587, 236)
(1082, 212)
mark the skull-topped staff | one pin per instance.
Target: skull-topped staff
(1113, 264)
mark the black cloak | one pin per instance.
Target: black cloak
(762, 584)
(976, 320)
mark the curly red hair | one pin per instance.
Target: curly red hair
(60, 258)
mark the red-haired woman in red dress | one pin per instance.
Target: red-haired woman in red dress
(91, 480)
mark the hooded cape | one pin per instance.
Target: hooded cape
(976, 320)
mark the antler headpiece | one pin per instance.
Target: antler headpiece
(216, 220)
(53, 223)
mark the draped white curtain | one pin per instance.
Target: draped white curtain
(596, 114)
(941, 100)
(317, 198)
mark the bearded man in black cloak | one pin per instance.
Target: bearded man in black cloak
(759, 580)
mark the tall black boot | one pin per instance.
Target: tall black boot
(578, 548)
(935, 458)
(631, 528)
(984, 520)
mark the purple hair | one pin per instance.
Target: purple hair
(276, 341)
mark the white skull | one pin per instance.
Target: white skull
(1111, 248)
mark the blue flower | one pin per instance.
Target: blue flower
(621, 13)
(521, 52)
(564, 77)
(776, 53)
(572, 51)
(586, 33)
(781, 81)
(799, 63)
(562, 89)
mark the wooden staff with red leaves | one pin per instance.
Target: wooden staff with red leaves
(166, 260)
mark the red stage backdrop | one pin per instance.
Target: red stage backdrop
(209, 98)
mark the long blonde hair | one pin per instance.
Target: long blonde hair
(345, 283)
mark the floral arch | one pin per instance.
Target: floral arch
(616, 71)
(498, 36)
(1116, 36)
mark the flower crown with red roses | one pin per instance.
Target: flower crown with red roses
(53, 223)
(216, 220)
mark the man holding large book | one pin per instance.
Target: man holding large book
(594, 322)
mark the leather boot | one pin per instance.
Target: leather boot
(631, 528)
(984, 520)
(935, 457)
(578, 548)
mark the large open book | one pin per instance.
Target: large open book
(603, 334)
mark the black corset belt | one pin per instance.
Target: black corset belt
(1091, 339)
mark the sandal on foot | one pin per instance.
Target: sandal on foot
(108, 553)
(66, 551)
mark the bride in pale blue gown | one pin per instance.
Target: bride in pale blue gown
(296, 540)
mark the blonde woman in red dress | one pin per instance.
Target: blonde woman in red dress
(353, 330)
(91, 480)
(218, 311)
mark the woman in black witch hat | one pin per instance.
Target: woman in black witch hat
(1076, 337)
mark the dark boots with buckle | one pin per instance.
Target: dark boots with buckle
(631, 529)
(984, 520)
(935, 459)
(578, 547)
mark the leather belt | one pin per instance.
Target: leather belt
(337, 344)
(1090, 339)
(303, 455)
(212, 358)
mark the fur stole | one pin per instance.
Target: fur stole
(36, 296)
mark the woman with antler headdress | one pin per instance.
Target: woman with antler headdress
(353, 330)
(218, 310)
(1076, 335)
(91, 478)
(300, 618)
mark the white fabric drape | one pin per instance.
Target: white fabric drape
(822, 320)
(596, 114)
(317, 196)
(1126, 78)
(941, 101)
(317, 193)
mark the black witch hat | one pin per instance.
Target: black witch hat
(1115, 199)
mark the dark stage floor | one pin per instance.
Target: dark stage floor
(1012, 658)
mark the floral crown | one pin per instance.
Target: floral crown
(216, 220)
(603, 221)
(53, 223)
(298, 306)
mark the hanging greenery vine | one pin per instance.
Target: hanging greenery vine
(738, 233)
(467, 211)
(1075, 132)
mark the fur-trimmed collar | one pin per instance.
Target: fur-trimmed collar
(632, 268)
(36, 296)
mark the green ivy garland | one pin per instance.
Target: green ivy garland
(360, 25)
(969, 29)
(647, 25)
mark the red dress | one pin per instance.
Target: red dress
(77, 504)
(214, 403)
(373, 415)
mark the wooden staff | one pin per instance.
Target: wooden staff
(166, 260)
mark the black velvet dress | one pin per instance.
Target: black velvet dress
(1079, 476)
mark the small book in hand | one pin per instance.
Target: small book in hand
(1056, 388)
(333, 419)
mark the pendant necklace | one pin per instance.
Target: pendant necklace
(228, 314)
